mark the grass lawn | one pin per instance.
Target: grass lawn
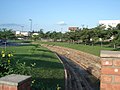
(95, 50)
(48, 71)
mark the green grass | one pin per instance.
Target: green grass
(48, 71)
(95, 50)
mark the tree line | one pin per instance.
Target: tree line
(97, 35)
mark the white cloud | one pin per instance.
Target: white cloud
(61, 23)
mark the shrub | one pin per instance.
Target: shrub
(22, 68)
(5, 63)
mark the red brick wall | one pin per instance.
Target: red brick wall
(110, 72)
(8, 87)
(25, 84)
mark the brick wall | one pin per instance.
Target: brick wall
(110, 71)
(88, 61)
(15, 82)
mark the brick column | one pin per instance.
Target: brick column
(15, 82)
(110, 71)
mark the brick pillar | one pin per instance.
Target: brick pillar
(15, 82)
(110, 71)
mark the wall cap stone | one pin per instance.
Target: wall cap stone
(14, 79)
(110, 54)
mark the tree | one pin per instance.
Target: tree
(35, 37)
(47, 34)
(85, 36)
(41, 33)
(110, 27)
(56, 35)
(116, 41)
(100, 27)
(7, 34)
(118, 26)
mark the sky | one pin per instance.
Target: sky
(56, 15)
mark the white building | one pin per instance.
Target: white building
(22, 33)
(108, 23)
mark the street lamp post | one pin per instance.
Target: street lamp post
(30, 24)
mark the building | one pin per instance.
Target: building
(108, 23)
(22, 33)
(73, 28)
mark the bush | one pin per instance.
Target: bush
(22, 68)
(5, 66)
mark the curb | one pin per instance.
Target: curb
(65, 71)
